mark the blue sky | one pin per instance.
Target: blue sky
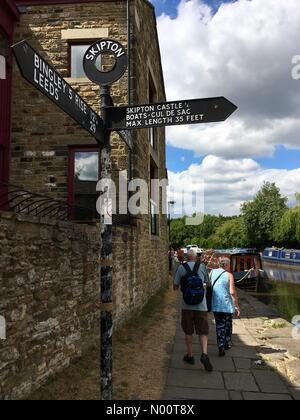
(180, 159)
(170, 6)
(242, 50)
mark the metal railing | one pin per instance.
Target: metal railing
(21, 201)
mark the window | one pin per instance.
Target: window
(3, 47)
(250, 263)
(152, 137)
(2, 67)
(152, 100)
(5, 110)
(154, 218)
(76, 54)
(242, 264)
(83, 178)
(1, 165)
(154, 206)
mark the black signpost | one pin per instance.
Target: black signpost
(195, 111)
(42, 76)
(121, 119)
(105, 80)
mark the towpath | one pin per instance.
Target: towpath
(264, 363)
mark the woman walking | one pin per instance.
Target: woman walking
(224, 304)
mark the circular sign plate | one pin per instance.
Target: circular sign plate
(105, 46)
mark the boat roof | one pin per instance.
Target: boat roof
(282, 249)
(237, 251)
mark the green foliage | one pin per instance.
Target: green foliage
(263, 214)
(265, 221)
(181, 234)
(288, 229)
(231, 234)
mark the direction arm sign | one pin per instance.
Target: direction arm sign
(195, 111)
(42, 76)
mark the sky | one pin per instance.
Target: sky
(243, 50)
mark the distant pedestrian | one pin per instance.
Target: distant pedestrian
(171, 259)
(224, 304)
(191, 277)
(180, 255)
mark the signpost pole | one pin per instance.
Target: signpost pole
(106, 259)
(105, 80)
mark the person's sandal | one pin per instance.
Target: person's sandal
(222, 352)
(206, 363)
(189, 359)
(228, 346)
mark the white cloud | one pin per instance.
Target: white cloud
(243, 52)
(227, 183)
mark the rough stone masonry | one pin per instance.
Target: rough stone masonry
(49, 297)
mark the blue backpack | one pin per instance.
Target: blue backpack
(192, 286)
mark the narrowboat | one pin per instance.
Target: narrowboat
(285, 257)
(246, 266)
(195, 248)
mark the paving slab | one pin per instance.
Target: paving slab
(222, 364)
(244, 340)
(295, 392)
(259, 396)
(179, 338)
(187, 378)
(278, 333)
(241, 363)
(180, 347)
(240, 382)
(236, 351)
(243, 352)
(177, 393)
(270, 382)
(235, 396)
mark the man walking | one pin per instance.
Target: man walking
(191, 277)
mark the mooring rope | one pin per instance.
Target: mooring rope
(244, 278)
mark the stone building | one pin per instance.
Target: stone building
(49, 260)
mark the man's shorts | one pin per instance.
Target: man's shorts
(194, 322)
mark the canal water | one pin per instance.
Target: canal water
(281, 290)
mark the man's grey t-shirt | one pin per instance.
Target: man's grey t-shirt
(202, 272)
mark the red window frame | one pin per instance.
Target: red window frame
(7, 19)
(71, 172)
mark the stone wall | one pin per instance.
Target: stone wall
(49, 286)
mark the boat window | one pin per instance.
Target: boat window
(241, 264)
(288, 255)
(249, 263)
(234, 264)
(257, 263)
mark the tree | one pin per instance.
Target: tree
(262, 214)
(287, 233)
(231, 234)
(182, 234)
(178, 233)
